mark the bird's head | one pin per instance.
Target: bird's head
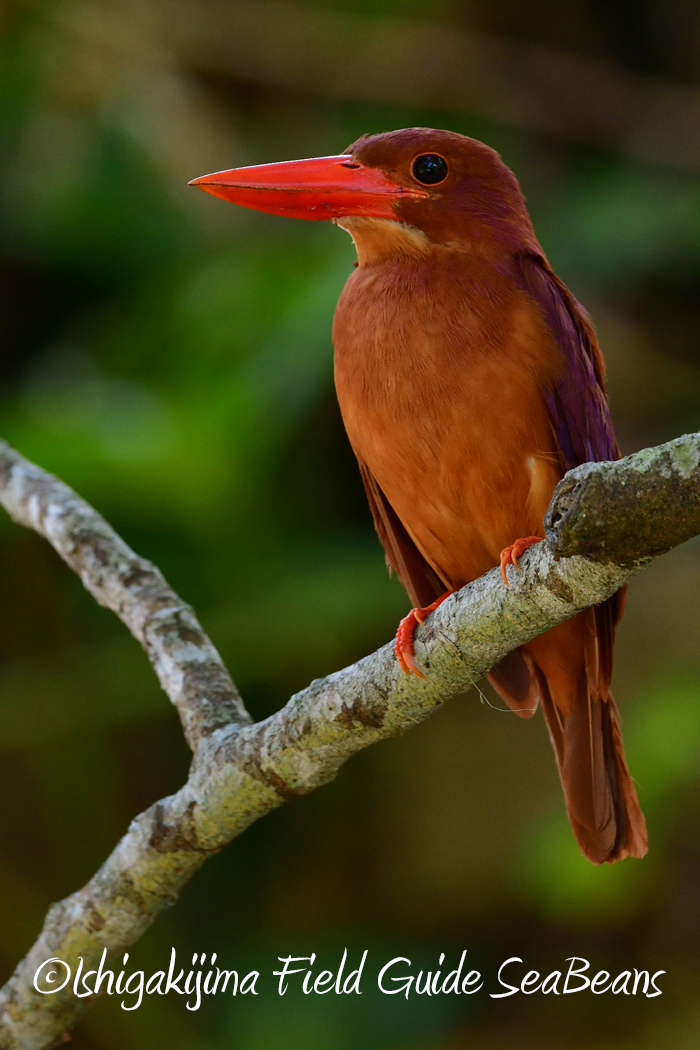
(403, 191)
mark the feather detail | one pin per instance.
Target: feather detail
(516, 681)
(422, 584)
(581, 714)
(601, 799)
(578, 407)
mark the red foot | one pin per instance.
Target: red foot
(403, 643)
(510, 555)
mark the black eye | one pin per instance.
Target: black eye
(429, 168)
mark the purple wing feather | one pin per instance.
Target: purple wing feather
(578, 407)
(580, 419)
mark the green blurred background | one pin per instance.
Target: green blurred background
(169, 356)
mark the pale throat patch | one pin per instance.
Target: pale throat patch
(375, 239)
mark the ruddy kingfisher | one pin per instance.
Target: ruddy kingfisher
(469, 380)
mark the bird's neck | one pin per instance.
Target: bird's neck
(386, 241)
(378, 240)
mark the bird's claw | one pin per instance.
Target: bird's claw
(510, 554)
(403, 642)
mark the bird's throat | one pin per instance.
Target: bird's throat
(377, 239)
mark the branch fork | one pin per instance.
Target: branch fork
(605, 522)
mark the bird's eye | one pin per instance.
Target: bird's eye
(429, 168)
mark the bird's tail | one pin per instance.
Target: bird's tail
(601, 799)
(568, 671)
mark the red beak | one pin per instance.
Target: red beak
(321, 188)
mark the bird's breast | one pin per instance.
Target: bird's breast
(439, 371)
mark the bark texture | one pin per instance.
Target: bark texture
(605, 522)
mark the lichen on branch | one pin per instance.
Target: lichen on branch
(605, 522)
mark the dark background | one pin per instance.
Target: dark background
(169, 356)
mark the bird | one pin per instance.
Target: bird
(470, 380)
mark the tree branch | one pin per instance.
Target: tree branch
(188, 666)
(605, 522)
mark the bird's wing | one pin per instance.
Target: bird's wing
(577, 405)
(579, 415)
(583, 431)
(421, 582)
(600, 796)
